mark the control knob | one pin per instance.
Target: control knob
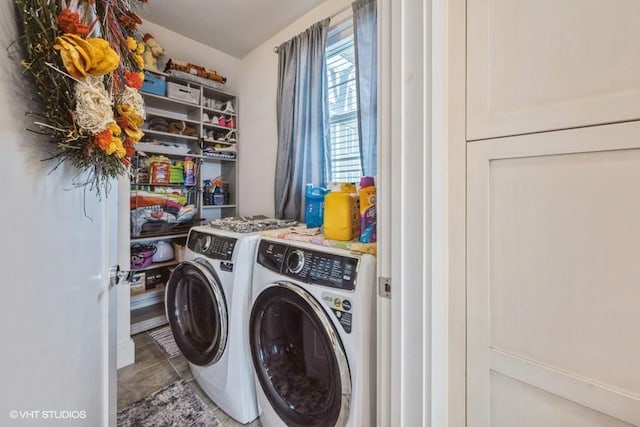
(295, 261)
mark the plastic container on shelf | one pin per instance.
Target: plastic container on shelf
(220, 191)
(154, 84)
(207, 195)
(183, 92)
(189, 171)
(164, 252)
(342, 213)
(367, 197)
(142, 255)
(314, 205)
(218, 196)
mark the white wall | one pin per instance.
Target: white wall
(183, 48)
(53, 320)
(257, 80)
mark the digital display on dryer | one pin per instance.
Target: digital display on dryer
(212, 246)
(330, 270)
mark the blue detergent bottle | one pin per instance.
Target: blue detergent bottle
(314, 205)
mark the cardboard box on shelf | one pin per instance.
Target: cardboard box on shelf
(137, 284)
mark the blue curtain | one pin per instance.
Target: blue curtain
(302, 119)
(365, 31)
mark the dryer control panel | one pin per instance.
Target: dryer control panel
(212, 246)
(309, 266)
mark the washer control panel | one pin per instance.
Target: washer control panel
(212, 246)
(309, 266)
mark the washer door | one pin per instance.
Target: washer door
(298, 358)
(197, 312)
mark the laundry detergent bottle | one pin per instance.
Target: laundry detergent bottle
(314, 205)
(342, 213)
(367, 196)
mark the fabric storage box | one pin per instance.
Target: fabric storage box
(154, 84)
(183, 92)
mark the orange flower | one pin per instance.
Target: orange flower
(103, 139)
(128, 146)
(69, 22)
(132, 79)
(130, 20)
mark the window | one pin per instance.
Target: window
(344, 163)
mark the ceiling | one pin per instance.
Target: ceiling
(234, 27)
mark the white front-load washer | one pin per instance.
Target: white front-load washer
(312, 335)
(207, 302)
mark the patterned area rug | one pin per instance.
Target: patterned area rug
(164, 338)
(174, 405)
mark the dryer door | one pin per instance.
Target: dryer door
(298, 358)
(197, 312)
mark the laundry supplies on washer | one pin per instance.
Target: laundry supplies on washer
(342, 213)
(314, 205)
(367, 196)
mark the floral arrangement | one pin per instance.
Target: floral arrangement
(85, 60)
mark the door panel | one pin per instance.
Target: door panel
(553, 237)
(514, 403)
(544, 65)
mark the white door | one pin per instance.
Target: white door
(54, 265)
(547, 64)
(553, 274)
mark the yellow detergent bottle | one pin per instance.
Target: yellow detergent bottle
(342, 213)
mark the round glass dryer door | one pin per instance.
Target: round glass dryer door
(298, 358)
(197, 312)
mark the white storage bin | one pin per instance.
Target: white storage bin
(183, 92)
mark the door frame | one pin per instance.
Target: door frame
(420, 184)
(111, 267)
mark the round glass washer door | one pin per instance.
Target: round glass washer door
(197, 312)
(298, 358)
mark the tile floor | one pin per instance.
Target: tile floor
(153, 370)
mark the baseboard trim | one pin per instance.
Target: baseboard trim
(126, 353)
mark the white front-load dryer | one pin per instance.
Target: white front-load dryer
(312, 335)
(207, 301)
